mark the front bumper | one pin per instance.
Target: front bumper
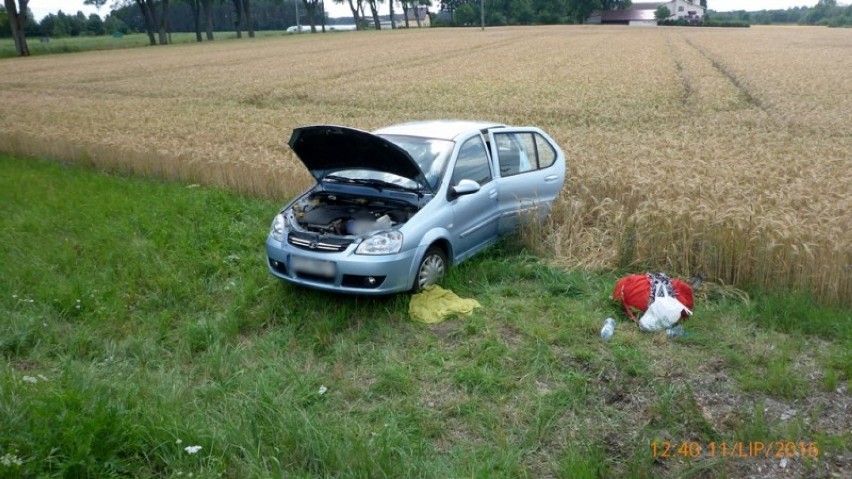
(343, 272)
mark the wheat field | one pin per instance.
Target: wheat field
(720, 151)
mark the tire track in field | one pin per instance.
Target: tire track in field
(685, 83)
(703, 88)
(740, 85)
(706, 84)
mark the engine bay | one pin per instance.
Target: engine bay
(344, 215)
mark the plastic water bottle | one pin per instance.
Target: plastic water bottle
(608, 329)
(676, 332)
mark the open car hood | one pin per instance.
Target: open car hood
(325, 149)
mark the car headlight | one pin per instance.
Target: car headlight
(386, 242)
(279, 225)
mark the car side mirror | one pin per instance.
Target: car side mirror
(464, 187)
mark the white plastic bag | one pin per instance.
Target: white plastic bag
(663, 313)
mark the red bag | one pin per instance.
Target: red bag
(634, 292)
(683, 293)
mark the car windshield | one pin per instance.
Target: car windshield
(429, 153)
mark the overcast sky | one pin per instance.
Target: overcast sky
(41, 8)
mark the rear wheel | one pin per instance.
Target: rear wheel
(431, 270)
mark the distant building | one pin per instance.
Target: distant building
(413, 14)
(644, 13)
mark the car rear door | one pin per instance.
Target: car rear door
(531, 171)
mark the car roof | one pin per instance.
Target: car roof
(438, 129)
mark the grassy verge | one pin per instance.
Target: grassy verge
(141, 335)
(108, 42)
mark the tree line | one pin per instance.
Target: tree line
(158, 18)
(825, 12)
(523, 12)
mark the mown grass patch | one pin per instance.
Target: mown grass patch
(137, 319)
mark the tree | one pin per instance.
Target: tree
(414, 4)
(662, 13)
(356, 6)
(114, 24)
(55, 25)
(149, 14)
(615, 4)
(243, 10)
(153, 23)
(78, 24)
(163, 29)
(238, 21)
(821, 10)
(466, 15)
(521, 11)
(247, 12)
(581, 9)
(374, 9)
(208, 18)
(17, 22)
(405, 8)
(95, 25)
(311, 8)
(195, 7)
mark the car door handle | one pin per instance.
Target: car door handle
(492, 193)
(548, 179)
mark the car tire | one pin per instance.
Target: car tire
(431, 270)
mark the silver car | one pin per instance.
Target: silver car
(392, 209)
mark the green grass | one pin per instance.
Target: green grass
(137, 318)
(108, 42)
(796, 312)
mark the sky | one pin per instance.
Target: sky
(41, 8)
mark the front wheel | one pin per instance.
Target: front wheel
(431, 270)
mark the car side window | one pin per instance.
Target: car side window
(546, 153)
(521, 152)
(472, 162)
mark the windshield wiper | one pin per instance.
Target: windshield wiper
(377, 184)
(337, 178)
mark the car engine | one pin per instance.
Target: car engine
(346, 215)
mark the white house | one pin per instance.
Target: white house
(415, 12)
(690, 10)
(644, 13)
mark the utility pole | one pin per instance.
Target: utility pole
(482, 13)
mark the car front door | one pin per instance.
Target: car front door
(531, 173)
(475, 215)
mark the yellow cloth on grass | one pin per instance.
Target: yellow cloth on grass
(436, 304)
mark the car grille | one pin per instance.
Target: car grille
(315, 243)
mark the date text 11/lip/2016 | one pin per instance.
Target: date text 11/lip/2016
(732, 450)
